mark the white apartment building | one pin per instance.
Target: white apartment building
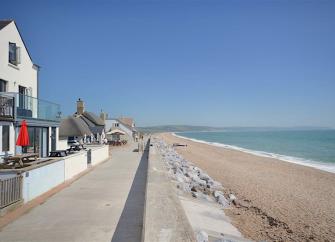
(19, 98)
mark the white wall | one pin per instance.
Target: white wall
(99, 154)
(40, 180)
(74, 164)
(44, 178)
(23, 74)
(110, 123)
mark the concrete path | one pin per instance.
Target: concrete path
(104, 205)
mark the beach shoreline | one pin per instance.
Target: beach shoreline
(324, 166)
(277, 200)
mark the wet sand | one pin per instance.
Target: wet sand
(277, 200)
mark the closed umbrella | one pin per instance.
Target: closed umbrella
(98, 137)
(23, 138)
(103, 136)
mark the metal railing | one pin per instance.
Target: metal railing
(6, 107)
(10, 191)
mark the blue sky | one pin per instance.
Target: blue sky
(219, 63)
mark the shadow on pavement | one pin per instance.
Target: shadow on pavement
(129, 227)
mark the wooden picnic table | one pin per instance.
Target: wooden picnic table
(20, 159)
(58, 153)
(76, 147)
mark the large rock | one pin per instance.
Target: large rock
(220, 198)
(217, 193)
(214, 185)
(232, 198)
(184, 187)
(202, 236)
(204, 176)
(191, 179)
(222, 201)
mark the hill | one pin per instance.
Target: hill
(176, 128)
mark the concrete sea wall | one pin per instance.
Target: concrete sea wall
(164, 217)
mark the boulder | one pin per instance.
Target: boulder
(184, 187)
(222, 201)
(202, 236)
(204, 176)
(217, 193)
(220, 198)
(232, 198)
(200, 195)
(180, 178)
(216, 185)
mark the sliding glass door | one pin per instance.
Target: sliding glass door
(39, 142)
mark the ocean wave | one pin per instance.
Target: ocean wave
(296, 160)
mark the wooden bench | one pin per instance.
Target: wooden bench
(20, 159)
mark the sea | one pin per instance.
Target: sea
(314, 148)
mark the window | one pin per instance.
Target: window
(53, 138)
(3, 85)
(5, 138)
(14, 54)
(22, 97)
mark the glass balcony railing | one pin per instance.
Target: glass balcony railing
(27, 107)
(33, 108)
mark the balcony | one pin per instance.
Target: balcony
(6, 107)
(27, 107)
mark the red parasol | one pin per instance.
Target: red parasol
(23, 138)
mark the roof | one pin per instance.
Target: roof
(91, 121)
(94, 118)
(73, 126)
(4, 23)
(127, 121)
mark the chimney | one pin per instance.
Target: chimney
(80, 107)
(103, 115)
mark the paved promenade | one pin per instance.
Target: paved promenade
(104, 205)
